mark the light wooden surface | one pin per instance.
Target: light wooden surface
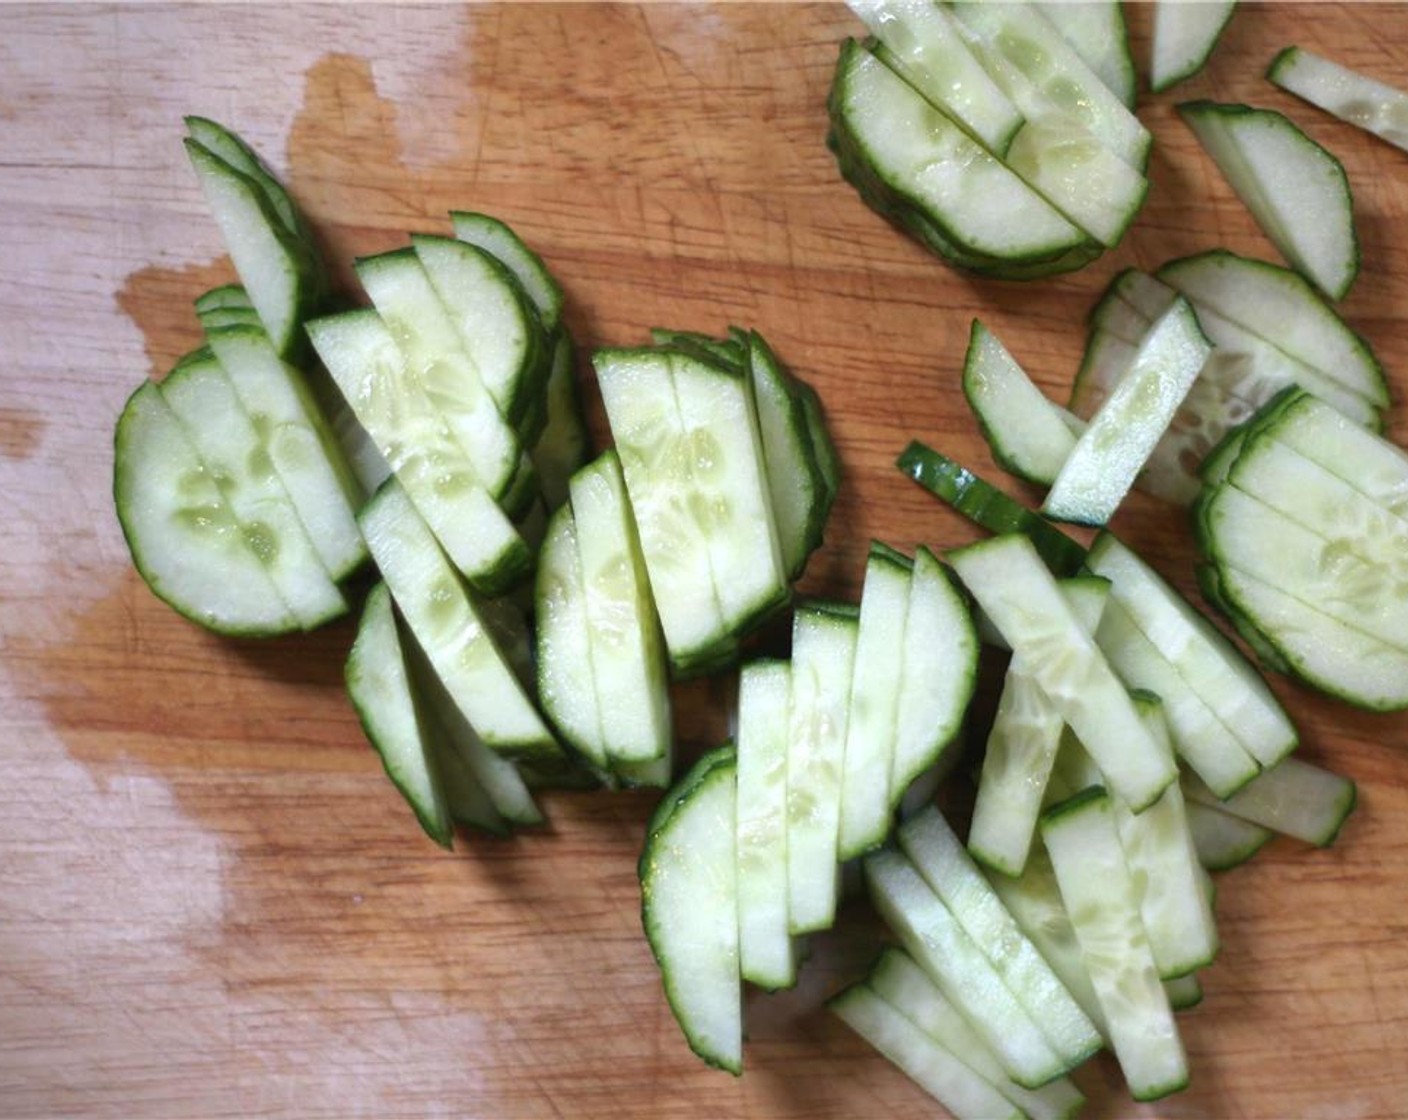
(211, 902)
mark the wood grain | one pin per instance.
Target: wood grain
(211, 902)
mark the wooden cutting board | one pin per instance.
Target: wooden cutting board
(211, 901)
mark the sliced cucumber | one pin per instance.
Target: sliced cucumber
(299, 442)
(390, 403)
(1099, 894)
(275, 267)
(869, 754)
(1184, 38)
(186, 541)
(938, 855)
(1294, 188)
(989, 507)
(1210, 664)
(1123, 433)
(1026, 432)
(824, 656)
(1222, 840)
(1347, 94)
(381, 693)
(1009, 581)
(510, 250)
(237, 458)
(1294, 798)
(627, 659)
(767, 955)
(939, 671)
(935, 1068)
(226, 295)
(922, 45)
(906, 987)
(915, 166)
(564, 444)
(963, 973)
(689, 907)
(452, 630)
(1047, 79)
(1096, 30)
(1184, 992)
(1021, 749)
(230, 148)
(217, 317)
(828, 460)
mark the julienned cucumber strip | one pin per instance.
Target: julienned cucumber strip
(1352, 97)
(510, 250)
(1294, 188)
(939, 944)
(936, 1069)
(1096, 30)
(1009, 581)
(1222, 840)
(1099, 894)
(689, 907)
(906, 987)
(989, 507)
(1184, 38)
(1294, 798)
(1124, 432)
(564, 443)
(381, 692)
(938, 855)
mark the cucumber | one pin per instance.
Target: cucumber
(381, 693)
(1184, 37)
(767, 956)
(299, 442)
(988, 507)
(499, 241)
(429, 462)
(1047, 79)
(1021, 749)
(564, 444)
(186, 541)
(824, 656)
(1352, 97)
(940, 1072)
(875, 687)
(901, 983)
(216, 317)
(1184, 992)
(933, 937)
(1294, 798)
(1028, 436)
(923, 46)
(1210, 664)
(1107, 458)
(497, 327)
(689, 907)
(229, 147)
(237, 458)
(1282, 309)
(918, 168)
(938, 856)
(452, 629)
(1011, 584)
(938, 674)
(232, 296)
(1296, 190)
(1097, 888)
(1222, 840)
(437, 363)
(277, 269)
(627, 660)
(1096, 31)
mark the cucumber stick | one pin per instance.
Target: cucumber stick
(1222, 840)
(934, 938)
(564, 443)
(452, 629)
(1010, 583)
(1096, 30)
(505, 246)
(1352, 97)
(1184, 38)
(906, 987)
(1081, 835)
(1294, 798)
(689, 907)
(940, 1072)
(938, 855)
(1296, 190)
(767, 955)
(825, 652)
